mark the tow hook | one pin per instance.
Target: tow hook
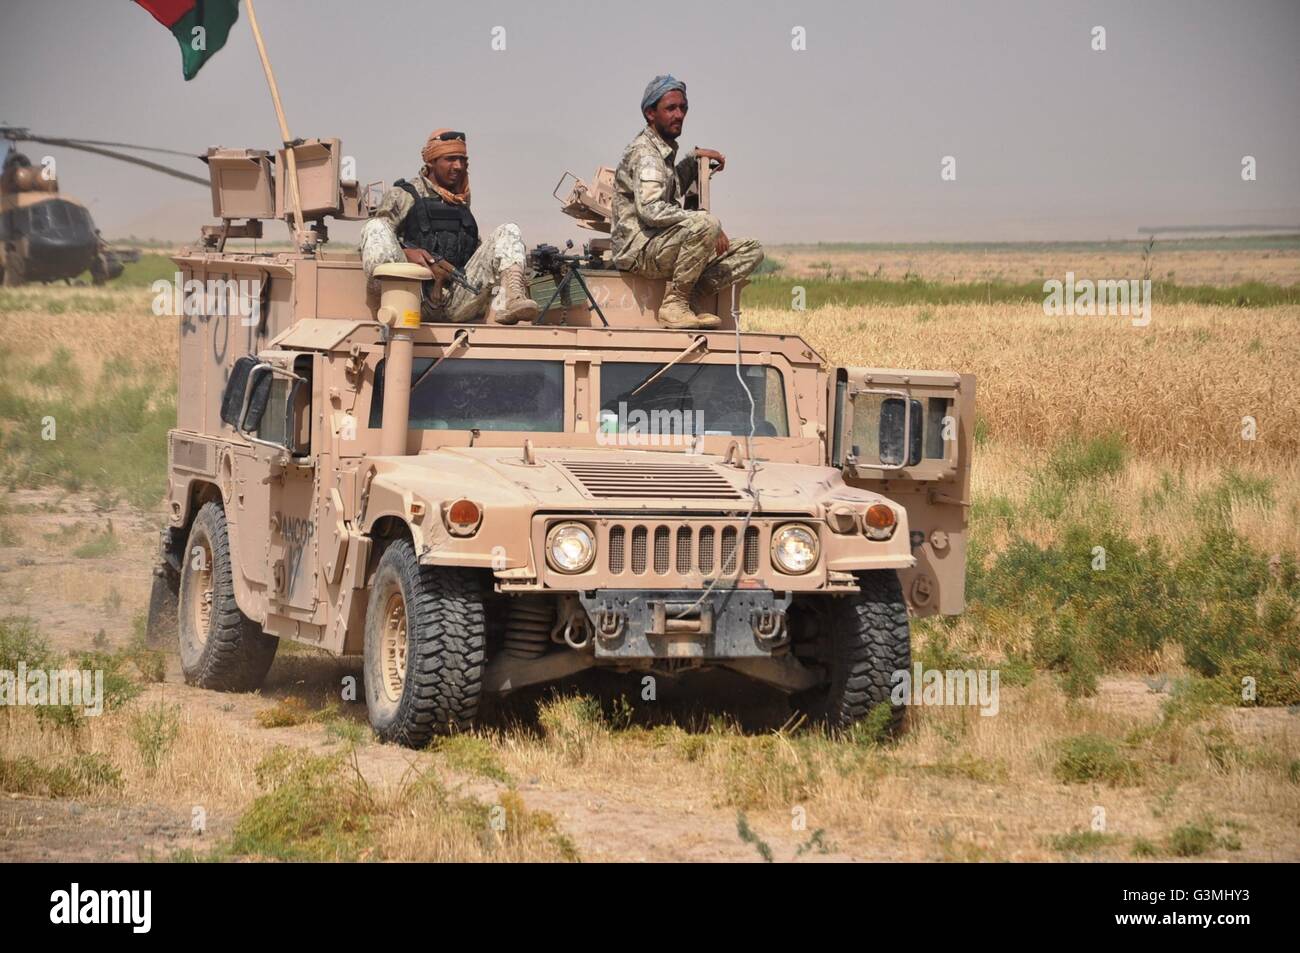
(769, 626)
(609, 623)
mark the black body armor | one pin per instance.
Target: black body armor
(440, 228)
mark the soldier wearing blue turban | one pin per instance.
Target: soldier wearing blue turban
(653, 235)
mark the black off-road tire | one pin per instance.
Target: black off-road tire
(869, 640)
(437, 614)
(233, 654)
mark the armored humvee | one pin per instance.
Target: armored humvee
(475, 508)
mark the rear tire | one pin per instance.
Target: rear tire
(869, 639)
(425, 648)
(221, 648)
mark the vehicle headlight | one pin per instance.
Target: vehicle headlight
(794, 548)
(570, 547)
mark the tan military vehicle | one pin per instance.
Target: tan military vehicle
(475, 508)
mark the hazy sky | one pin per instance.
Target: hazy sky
(841, 141)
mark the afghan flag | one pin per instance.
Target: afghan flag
(200, 27)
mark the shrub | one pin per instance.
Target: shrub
(313, 808)
(1094, 758)
(154, 730)
(572, 724)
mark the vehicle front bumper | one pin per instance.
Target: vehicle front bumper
(724, 623)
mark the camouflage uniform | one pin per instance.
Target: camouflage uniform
(502, 248)
(654, 236)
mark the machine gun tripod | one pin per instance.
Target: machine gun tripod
(564, 269)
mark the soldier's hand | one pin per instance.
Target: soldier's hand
(723, 243)
(715, 155)
(441, 268)
(418, 256)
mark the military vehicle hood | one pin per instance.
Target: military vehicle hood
(585, 479)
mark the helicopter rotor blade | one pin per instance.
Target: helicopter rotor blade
(87, 146)
(133, 146)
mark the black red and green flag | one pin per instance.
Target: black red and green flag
(200, 26)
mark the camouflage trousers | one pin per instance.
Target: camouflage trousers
(502, 248)
(686, 254)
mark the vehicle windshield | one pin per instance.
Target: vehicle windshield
(697, 399)
(482, 394)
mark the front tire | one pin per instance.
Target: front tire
(868, 640)
(221, 648)
(425, 648)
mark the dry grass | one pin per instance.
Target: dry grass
(99, 325)
(207, 764)
(1182, 265)
(956, 786)
(1148, 497)
(316, 806)
(1177, 388)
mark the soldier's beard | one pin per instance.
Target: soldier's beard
(459, 197)
(668, 134)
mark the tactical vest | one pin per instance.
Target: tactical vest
(439, 227)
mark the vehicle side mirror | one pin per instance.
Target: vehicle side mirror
(243, 404)
(253, 387)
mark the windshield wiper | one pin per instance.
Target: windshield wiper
(700, 341)
(462, 337)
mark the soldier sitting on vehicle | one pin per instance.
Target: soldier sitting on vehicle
(428, 222)
(653, 234)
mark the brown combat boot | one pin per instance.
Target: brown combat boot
(676, 312)
(518, 306)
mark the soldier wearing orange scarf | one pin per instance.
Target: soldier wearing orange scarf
(428, 221)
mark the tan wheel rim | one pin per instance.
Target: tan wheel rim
(393, 646)
(201, 590)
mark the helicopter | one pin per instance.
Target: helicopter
(48, 236)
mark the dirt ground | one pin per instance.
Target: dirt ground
(632, 812)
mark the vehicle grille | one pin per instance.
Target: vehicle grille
(617, 548)
(663, 481)
(694, 549)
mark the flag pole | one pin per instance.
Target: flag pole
(300, 235)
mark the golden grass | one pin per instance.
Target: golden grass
(1177, 388)
(1184, 266)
